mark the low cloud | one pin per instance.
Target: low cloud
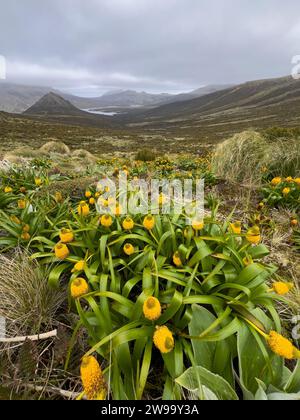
(170, 45)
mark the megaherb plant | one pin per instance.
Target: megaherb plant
(158, 297)
(169, 308)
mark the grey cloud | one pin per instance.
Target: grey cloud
(168, 45)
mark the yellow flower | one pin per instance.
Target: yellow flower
(161, 199)
(253, 235)
(152, 308)
(26, 228)
(25, 236)
(8, 190)
(106, 220)
(297, 181)
(282, 288)
(289, 179)
(128, 223)
(61, 251)
(79, 287)
(282, 346)
(79, 266)
(128, 249)
(58, 197)
(83, 209)
(286, 191)
(149, 222)
(118, 210)
(176, 259)
(15, 219)
(260, 206)
(163, 339)
(236, 227)
(97, 194)
(198, 224)
(66, 236)
(92, 379)
(92, 201)
(88, 194)
(22, 204)
(294, 222)
(276, 181)
(38, 182)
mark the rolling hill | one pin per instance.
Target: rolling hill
(256, 104)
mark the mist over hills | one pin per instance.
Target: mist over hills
(18, 98)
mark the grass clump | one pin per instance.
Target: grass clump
(145, 155)
(26, 300)
(56, 147)
(245, 157)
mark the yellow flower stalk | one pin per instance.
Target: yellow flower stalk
(92, 379)
(253, 235)
(21, 204)
(128, 249)
(236, 227)
(197, 224)
(149, 222)
(66, 236)
(177, 260)
(163, 339)
(106, 220)
(61, 251)
(282, 288)
(8, 190)
(152, 308)
(276, 181)
(286, 191)
(80, 266)
(38, 182)
(282, 346)
(79, 287)
(83, 209)
(128, 223)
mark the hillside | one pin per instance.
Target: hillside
(53, 104)
(256, 104)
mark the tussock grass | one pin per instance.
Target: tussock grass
(243, 157)
(26, 301)
(55, 147)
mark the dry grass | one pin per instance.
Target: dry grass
(243, 157)
(26, 301)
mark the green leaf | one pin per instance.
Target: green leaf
(215, 383)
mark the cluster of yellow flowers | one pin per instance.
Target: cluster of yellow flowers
(290, 180)
(253, 234)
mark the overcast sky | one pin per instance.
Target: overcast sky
(91, 46)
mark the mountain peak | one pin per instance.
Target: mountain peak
(52, 104)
